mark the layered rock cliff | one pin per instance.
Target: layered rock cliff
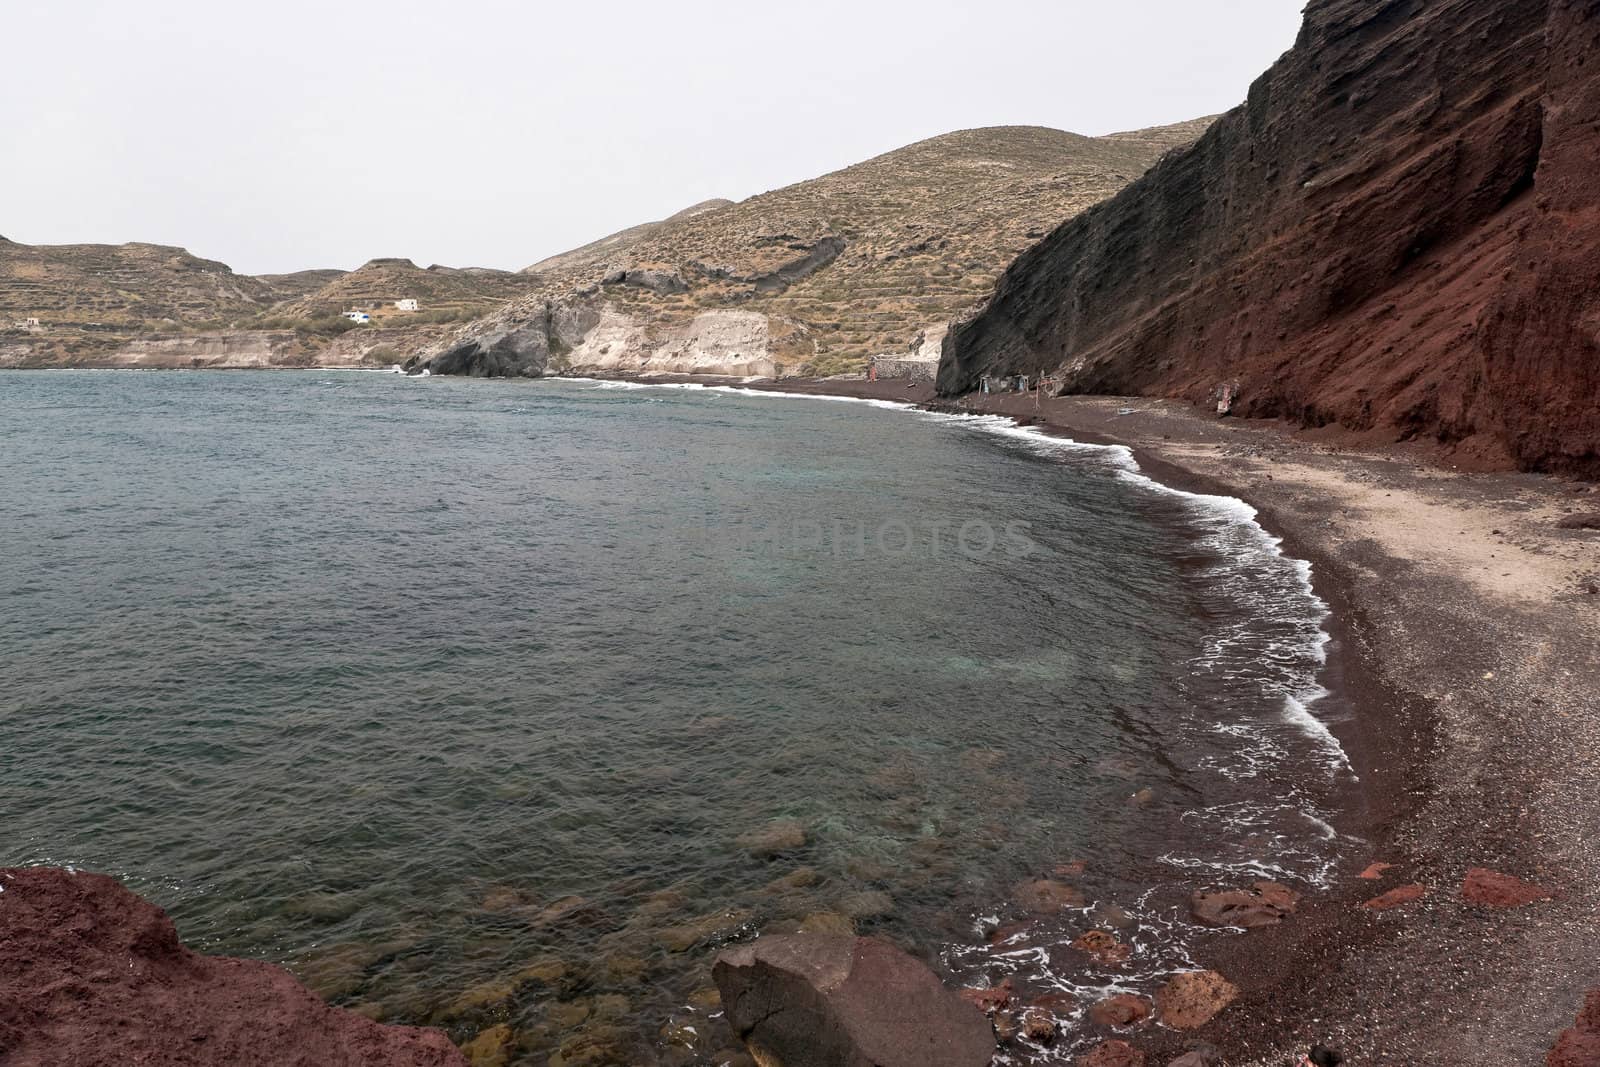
(813, 278)
(1398, 232)
(92, 975)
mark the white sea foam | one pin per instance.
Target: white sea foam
(742, 391)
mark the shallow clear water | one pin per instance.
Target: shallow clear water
(457, 697)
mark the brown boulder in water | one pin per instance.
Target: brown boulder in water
(1264, 904)
(819, 1001)
(1123, 1009)
(92, 975)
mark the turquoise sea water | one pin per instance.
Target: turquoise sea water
(467, 700)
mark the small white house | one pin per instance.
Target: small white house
(360, 317)
(408, 304)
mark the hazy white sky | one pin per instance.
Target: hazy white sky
(302, 134)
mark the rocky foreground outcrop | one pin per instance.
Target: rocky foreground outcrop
(839, 1001)
(91, 974)
(1398, 232)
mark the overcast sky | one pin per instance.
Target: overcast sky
(300, 134)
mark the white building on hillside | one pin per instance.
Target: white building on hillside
(408, 304)
(358, 316)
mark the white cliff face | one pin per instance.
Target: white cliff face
(725, 343)
(735, 343)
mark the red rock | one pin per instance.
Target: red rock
(989, 1000)
(1103, 946)
(1579, 1045)
(1376, 871)
(1374, 239)
(1491, 889)
(1264, 904)
(1112, 1054)
(1124, 1009)
(1194, 998)
(1395, 897)
(1038, 1026)
(846, 1000)
(1073, 869)
(94, 976)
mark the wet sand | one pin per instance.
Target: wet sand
(1467, 644)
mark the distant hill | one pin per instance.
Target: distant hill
(157, 305)
(815, 277)
(618, 244)
(131, 286)
(378, 283)
(812, 278)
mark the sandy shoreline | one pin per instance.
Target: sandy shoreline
(1467, 651)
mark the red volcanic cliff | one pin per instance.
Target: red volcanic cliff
(1398, 232)
(90, 974)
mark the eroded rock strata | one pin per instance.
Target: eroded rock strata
(1396, 233)
(91, 974)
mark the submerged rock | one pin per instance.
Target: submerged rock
(94, 976)
(1045, 895)
(1123, 1009)
(783, 836)
(806, 1001)
(827, 922)
(492, 1047)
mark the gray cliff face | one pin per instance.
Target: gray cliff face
(591, 336)
(524, 350)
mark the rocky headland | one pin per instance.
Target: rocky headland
(91, 974)
(1394, 235)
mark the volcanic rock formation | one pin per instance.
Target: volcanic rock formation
(91, 975)
(1398, 232)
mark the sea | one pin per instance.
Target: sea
(477, 702)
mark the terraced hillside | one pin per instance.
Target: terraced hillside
(442, 292)
(815, 277)
(131, 286)
(156, 305)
